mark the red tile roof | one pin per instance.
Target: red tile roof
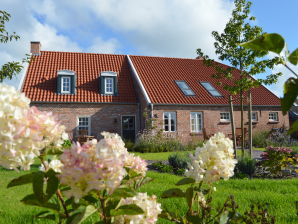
(40, 83)
(158, 75)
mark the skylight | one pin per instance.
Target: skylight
(185, 88)
(210, 89)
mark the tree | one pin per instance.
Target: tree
(245, 61)
(9, 69)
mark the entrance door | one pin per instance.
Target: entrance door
(128, 128)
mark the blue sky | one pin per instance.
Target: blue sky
(172, 28)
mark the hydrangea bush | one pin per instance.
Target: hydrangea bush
(102, 178)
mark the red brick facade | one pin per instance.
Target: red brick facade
(104, 117)
(211, 120)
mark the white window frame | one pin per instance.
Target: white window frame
(64, 78)
(225, 119)
(256, 116)
(106, 87)
(170, 114)
(89, 123)
(198, 122)
(273, 116)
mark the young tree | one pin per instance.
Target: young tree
(9, 69)
(247, 62)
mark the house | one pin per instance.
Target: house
(106, 92)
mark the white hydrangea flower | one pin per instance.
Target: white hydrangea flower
(136, 163)
(55, 164)
(215, 160)
(149, 205)
(24, 131)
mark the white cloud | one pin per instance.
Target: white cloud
(166, 27)
(101, 46)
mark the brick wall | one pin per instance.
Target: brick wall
(211, 120)
(104, 117)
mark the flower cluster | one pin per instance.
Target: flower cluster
(55, 164)
(24, 131)
(215, 160)
(148, 204)
(97, 166)
(276, 150)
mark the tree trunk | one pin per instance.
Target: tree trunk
(233, 125)
(242, 123)
(250, 124)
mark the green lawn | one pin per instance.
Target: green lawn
(281, 194)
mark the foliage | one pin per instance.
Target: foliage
(9, 69)
(245, 167)
(279, 161)
(179, 162)
(275, 43)
(259, 139)
(161, 167)
(148, 142)
(129, 145)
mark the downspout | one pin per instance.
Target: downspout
(151, 107)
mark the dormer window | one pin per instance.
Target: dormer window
(66, 82)
(211, 89)
(185, 88)
(108, 83)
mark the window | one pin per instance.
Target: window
(210, 89)
(84, 124)
(196, 121)
(254, 116)
(65, 84)
(273, 116)
(185, 88)
(225, 117)
(109, 85)
(169, 121)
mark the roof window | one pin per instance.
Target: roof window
(210, 89)
(185, 88)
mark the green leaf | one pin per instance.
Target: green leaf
(46, 215)
(123, 193)
(224, 218)
(32, 200)
(38, 181)
(52, 183)
(24, 179)
(88, 211)
(189, 196)
(171, 193)
(290, 94)
(185, 181)
(293, 128)
(267, 42)
(293, 57)
(131, 209)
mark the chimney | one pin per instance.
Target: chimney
(35, 48)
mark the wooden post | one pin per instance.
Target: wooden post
(233, 125)
(250, 124)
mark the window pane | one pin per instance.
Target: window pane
(169, 121)
(185, 88)
(210, 89)
(196, 121)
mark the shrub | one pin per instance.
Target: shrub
(191, 146)
(156, 143)
(279, 161)
(245, 167)
(259, 139)
(161, 167)
(129, 145)
(179, 162)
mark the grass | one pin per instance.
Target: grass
(281, 194)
